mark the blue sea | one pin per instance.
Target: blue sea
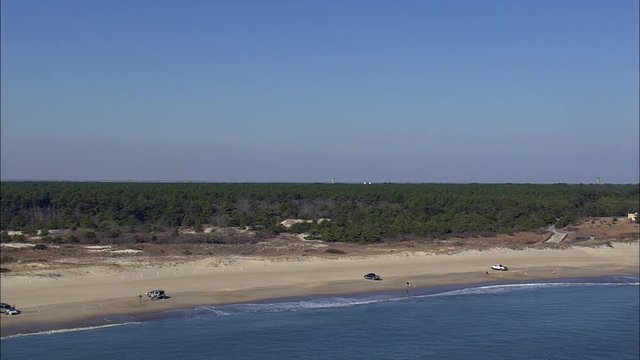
(595, 318)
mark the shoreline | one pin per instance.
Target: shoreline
(122, 320)
(77, 302)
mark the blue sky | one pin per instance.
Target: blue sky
(539, 91)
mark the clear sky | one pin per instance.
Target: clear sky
(539, 91)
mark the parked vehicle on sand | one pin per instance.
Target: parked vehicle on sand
(8, 309)
(156, 294)
(372, 276)
(499, 267)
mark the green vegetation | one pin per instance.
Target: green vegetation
(358, 213)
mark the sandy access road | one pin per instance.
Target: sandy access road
(86, 299)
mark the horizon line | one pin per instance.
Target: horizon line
(306, 182)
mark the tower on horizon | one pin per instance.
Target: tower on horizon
(598, 180)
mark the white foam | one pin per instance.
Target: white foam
(303, 305)
(60, 331)
(213, 309)
(498, 289)
(336, 302)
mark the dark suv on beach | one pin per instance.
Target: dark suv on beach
(372, 276)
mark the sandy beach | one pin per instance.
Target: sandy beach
(90, 294)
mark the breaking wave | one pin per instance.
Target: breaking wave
(337, 302)
(60, 331)
(500, 289)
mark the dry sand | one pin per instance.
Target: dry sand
(91, 293)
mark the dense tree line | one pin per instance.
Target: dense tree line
(360, 213)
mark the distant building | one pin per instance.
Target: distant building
(632, 217)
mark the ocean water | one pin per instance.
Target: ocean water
(593, 318)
